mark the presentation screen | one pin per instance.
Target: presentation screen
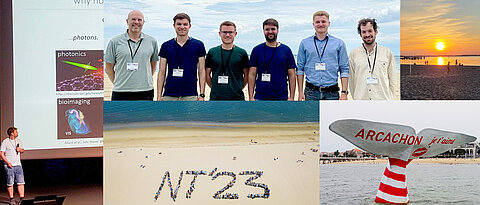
(58, 73)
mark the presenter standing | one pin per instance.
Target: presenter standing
(10, 152)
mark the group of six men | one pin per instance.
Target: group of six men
(270, 73)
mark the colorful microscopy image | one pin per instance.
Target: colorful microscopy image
(78, 118)
(77, 121)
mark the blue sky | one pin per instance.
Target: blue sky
(295, 19)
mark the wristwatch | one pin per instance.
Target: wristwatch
(202, 95)
(345, 91)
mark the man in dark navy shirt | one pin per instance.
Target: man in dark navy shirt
(181, 55)
(271, 66)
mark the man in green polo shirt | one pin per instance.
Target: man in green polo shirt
(130, 61)
(227, 66)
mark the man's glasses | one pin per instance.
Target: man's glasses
(227, 32)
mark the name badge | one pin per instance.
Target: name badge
(266, 77)
(320, 66)
(178, 72)
(132, 66)
(222, 79)
(372, 80)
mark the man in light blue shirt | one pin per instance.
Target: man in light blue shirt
(321, 58)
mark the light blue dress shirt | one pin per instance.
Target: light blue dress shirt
(335, 58)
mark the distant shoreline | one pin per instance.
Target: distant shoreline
(419, 161)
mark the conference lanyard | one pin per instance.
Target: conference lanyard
(130, 48)
(228, 59)
(271, 58)
(316, 48)
(374, 58)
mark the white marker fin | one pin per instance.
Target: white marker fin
(400, 144)
(376, 137)
(439, 141)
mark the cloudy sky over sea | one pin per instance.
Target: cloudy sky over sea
(295, 19)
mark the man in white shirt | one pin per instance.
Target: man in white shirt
(10, 152)
(373, 75)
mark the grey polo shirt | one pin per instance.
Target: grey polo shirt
(118, 53)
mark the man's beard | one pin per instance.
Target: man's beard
(271, 40)
(372, 42)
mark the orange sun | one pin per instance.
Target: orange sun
(440, 46)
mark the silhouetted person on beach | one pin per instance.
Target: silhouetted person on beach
(448, 67)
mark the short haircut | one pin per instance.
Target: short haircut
(227, 23)
(271, 22)
(10, 130)
(364, 22)
(321, 13)
(181, 16)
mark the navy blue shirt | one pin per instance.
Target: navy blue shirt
(184, 57)
(278, 66)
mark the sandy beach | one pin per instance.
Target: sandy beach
(136, 160)
(420, 161)
(108, 87)
(432, 82)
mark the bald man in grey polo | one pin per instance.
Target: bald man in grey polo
(132, 78)
(130, 61)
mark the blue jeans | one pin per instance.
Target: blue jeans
(14, 174)
(311, 94)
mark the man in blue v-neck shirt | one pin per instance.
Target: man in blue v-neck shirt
(182, 56)
(321, 58)
(272, 66)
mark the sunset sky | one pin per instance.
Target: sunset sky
(425, 23)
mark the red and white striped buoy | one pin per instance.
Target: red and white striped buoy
(393, 186)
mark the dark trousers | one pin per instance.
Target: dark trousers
(142, 95)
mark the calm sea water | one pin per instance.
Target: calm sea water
(210, 111)
(465, 60)
(426, 183)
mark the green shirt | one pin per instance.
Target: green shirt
(234, 62)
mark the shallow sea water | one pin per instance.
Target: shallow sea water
(426, 183)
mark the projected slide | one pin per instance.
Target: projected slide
(58, 73)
